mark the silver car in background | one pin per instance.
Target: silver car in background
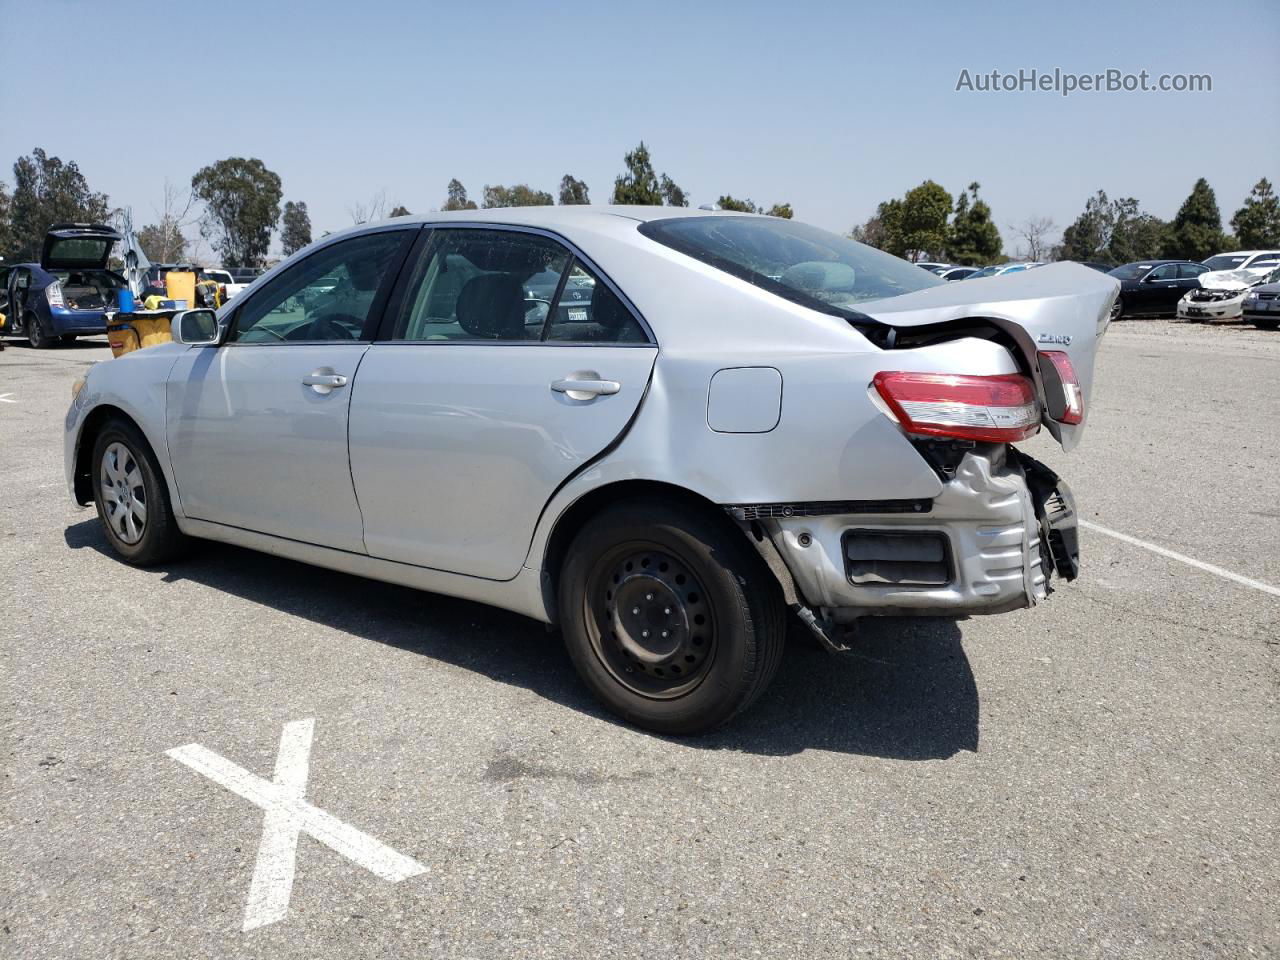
(706, 419)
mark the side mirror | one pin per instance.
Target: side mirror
(195, 327)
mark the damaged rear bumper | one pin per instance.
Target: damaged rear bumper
(1002, 526)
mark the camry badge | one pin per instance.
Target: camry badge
(1062, 338)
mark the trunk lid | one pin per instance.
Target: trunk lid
(1060, 306)
(77, 246)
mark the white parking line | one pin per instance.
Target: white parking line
(288, 815)
(1189, 561)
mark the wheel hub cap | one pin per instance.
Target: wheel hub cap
(124, 496)
(650, 619)
(656, 632)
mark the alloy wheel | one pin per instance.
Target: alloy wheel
(124, 494)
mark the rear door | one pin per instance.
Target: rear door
(1189, 277)
(257, 427)
(485, 394)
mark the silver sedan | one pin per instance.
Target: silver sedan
(666, 431)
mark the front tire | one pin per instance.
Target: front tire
(37, 335)
(131, 496)
(669, 616)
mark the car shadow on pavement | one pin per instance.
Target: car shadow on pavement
(905, 692)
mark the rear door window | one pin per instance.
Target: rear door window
(590, 312)
(481, 285)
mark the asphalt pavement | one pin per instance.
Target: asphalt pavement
(1097, 777)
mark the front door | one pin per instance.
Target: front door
(1159, 292)
(491, 389)
(257, 427)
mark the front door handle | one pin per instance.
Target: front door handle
(324, 380)
(585, 385)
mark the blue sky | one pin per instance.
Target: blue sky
(831, 106)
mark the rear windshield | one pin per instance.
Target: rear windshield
(796, 261)
(1225, 261)
(80, 249)
(1131, 271)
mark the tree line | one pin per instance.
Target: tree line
(926, 224)
(236, 204)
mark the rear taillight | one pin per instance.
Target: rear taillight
(53, 293)
(1063, 396)
(998, 409)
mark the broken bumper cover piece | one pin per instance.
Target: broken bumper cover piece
(988, 544)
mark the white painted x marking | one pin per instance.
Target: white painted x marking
(287, 815)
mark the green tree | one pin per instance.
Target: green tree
(457, 199)
(295, 227)
(1090, 233)
(672, 195)
(1135, 235)
(47, 191)
(572, 191)
(163, 242)
(521, 195)
(1196, 231)
(6, 214)
(973, 237)
(1257, 223)
(399, 210)
(922, 229)
(727, 202)
(640, 185)
(242, 206)
(782, 210)
(882, 227)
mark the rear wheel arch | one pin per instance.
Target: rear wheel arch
(590, 504)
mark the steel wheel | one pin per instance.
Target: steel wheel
(650, 621)
(124, 495)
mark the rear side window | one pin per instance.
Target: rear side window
(590, 312)
(481, 285)
(793, 260)
(508, 286)
(1187, 270)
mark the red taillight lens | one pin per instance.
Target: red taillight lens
(998, 409)
(1060, 380)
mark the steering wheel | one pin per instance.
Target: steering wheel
(328, 327)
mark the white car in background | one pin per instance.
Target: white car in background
(1000, 269)
(1221, 293)
(1259, 261)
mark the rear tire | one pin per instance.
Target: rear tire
(132, 498)
(669, 616)
(37, 335)
(1117, 310)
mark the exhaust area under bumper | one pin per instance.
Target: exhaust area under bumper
(988, 543)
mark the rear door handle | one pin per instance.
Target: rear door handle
(578, 387)
(324, 380)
